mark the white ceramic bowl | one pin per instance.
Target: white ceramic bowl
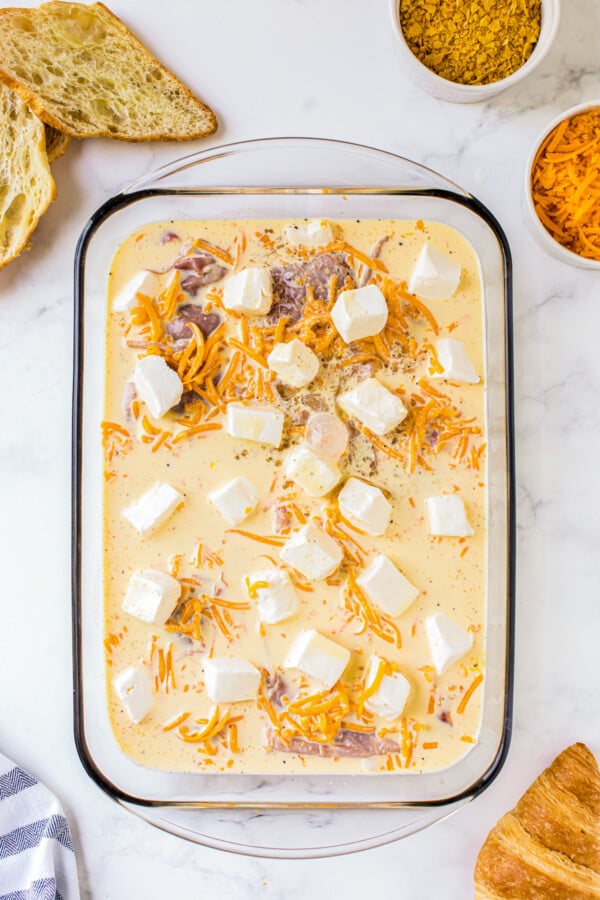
(472, 93)
(544, 237)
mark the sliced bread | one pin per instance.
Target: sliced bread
(26, 185)
(56, 143)
(84, 73)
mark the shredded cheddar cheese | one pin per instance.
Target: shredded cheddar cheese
(469, 693)
(216, 565)
(177, 720)
(368, 617)
(312, 717)
(565, 183)
(253, 587)
(218, 252)
(188, 615)
(148, 309)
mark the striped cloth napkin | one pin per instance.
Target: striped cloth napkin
(37, 861)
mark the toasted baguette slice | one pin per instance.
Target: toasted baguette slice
(57, 143)
(84, 73)
(26, 185)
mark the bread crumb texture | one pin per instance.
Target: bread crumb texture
(83, 72)
(26, 185)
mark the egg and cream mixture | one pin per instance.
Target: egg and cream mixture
(295, 496)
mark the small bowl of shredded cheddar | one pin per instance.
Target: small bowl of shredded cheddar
(562, 190)
(464, 52)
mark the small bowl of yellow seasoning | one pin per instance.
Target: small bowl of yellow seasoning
(562, 187)
(469, 50)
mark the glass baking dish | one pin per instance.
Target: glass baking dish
(286, 178)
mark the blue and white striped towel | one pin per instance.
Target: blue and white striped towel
(37, 861)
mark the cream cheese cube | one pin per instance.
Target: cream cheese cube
(143, 283)
(274, 593)
(386, 586)
(154, 507)
(157, 385)
(294, 363)
(457, 366)
(390, 698)
(435, 275)
(448, 517)
(249, 291)
(359, 313)
(254, 423)
(317, 656)
(151, 596)
(315, 233)
(134, 690)
(230, 680)
(448, 642)
(312, 552)
(310, 472)
(365, 506)
(235, 500)
(374, 406)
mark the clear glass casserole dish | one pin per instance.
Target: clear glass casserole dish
(259, 179)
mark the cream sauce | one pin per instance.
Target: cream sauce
(449, 572)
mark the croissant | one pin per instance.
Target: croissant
(548, 846)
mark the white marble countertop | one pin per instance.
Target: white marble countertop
(276, 67)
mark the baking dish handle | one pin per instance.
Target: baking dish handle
(306, 164)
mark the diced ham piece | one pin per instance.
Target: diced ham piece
(356, 744)
(289, 294)
(168, 236)
(275, 687)
(129, 395)
(289, 283)
(186, 397)
(204, 269)
(281, 518)
(197, 263)
(374, 254)
(322, 268)
(206, 322)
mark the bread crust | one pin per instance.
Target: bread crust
(57, 143)
(35, 102)
(47, 196)
(548, 846)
